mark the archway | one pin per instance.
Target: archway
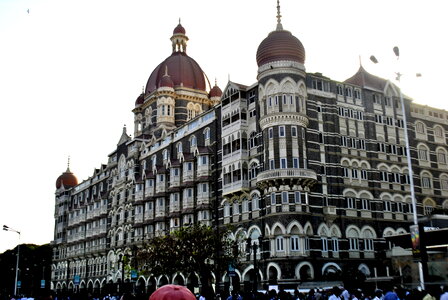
(249, 280)
(179, 280)
(152, 285)
(272, 275)
(192, 282)
(305, 273)
(163, 281)
(140, 287)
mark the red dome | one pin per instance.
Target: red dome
(166, 81)
(140, 100)
(172, 292)
(68, 179)
(182, 69)
(280, 45)
(215, 91)
(179, 29)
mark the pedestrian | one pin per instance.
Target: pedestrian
(444, 296)
(335, 293)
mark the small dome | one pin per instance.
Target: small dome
(172, 292)
(280, 45)
(179, 29)
(68, 179)
(166, 80)
(140, 100)
(215, 91)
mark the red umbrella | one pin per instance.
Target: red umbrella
(172, 292)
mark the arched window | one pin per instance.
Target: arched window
(193, 141)
(179, 148)
(255, 202)
(426, 180)
(428, 206)
(439, 133)
(444, 182)
(441, 156)
(423, 153)
(420, 128)
(353, 238)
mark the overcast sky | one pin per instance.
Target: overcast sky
(70, 72)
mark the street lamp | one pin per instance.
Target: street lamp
(408, 155)
(7, 228)
(254, 246)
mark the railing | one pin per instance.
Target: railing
(286, 173)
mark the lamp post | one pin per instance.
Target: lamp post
(408, 155)
(254, 246)
(7, 228)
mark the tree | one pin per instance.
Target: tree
(192, 249)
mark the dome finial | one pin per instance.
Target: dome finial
(68, 164)
(216, 81)
(279, 17)
(166, 71)
(179, 20)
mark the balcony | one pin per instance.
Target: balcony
(305, 176)
(235, 187)
(174, 181)
(239, 154)
(203, 171)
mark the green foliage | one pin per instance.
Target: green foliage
(190, 249)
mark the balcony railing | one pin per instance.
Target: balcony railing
(286, 174)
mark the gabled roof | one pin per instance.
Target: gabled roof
(366, 80)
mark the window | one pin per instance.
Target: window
(273, 200)
(420, 127)
(179, 148)
(351, 203)
(271, 164)
(354, 243)
(295, 243)
(340, 90)
(335, 244)
(281, 131)
(285, 199)
(426, 182)
(297, 197)
(255, 203)
(279, 244)
(324, 244)
(365, 204)
(193, 141)
(283, 163)
(271, 133)
(441, 157)
(295, 162)
(368, 244)
(422, 153)
(363, 174)
(294, 131)
(357, 94)
(387, 205)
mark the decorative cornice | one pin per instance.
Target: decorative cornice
(283, 118)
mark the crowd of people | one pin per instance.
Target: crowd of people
(335, 293)
(340, 293)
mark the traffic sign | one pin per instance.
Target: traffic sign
(42, 284)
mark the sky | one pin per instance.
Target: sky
(70, 72)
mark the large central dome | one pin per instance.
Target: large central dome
(183, 70)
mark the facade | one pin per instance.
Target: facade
(311, 173)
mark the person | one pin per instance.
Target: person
(335, 293)
(345, 294)
(444, 296)
(234, 296)
(378, 295)
(391, 296)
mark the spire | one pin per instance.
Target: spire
(166, 71)
(279, 17)
(68, 164)
(216, 81)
